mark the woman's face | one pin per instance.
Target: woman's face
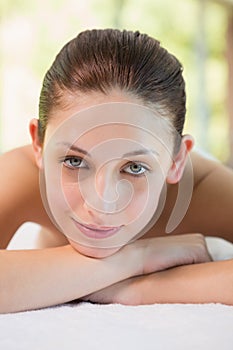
(105, 162)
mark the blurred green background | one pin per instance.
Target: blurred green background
(196, 31)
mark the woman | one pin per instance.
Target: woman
(109, 165)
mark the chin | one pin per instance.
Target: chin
(93, 252)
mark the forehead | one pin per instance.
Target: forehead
(116, 136)
(114, 121)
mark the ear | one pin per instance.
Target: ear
(36, 144)
(179, 161)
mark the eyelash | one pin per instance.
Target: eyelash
(136, 174)
(72, 167)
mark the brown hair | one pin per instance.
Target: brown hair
(99, 60)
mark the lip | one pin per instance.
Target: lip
(98, 232)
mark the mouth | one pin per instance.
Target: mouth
(97, 232)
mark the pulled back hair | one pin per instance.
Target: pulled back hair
(100, 60)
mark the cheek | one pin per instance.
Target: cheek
(72, 195)
(145, 199)
(137, 204)
(61, 195)
(139, 200)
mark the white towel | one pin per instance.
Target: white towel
(103, 327)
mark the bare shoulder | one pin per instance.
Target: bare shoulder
(18, 189)
(20, 198)
(18, 164)
(204, 166)
(210, 210)
(23, 153)
(17, 168)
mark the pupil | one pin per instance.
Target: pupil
(75, 161)
(136, 167)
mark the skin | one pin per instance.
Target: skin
(104, 169)
(209, 213)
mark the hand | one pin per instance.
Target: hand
(161, 253)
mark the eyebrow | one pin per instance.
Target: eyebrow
(74, 148)
(140, 151)
(133, 153)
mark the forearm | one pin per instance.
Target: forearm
(39, 278)
(198, 283)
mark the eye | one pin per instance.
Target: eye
(135, 169)
(74, 162)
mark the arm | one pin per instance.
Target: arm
(200, 283)
(39, 278)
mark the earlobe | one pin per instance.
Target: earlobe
(179, 161)
(36, 143)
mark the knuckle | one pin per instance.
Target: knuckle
(200, 237)
(201, 249)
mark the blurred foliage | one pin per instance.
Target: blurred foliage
(174, 23)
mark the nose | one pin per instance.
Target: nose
(103, 196)
(106, 188)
